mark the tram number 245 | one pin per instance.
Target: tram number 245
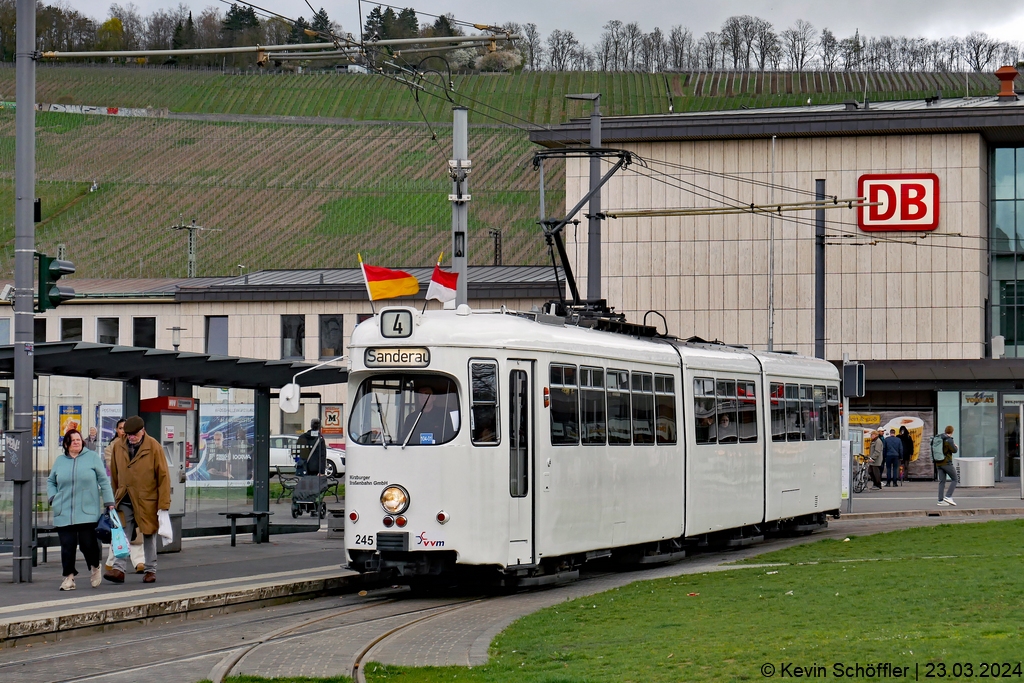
(366, 539)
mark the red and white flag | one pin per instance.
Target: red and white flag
(442, 284)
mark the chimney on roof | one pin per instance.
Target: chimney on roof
(1006, 74)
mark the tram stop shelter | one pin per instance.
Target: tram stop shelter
(177, 373)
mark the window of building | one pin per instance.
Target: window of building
(108, 330)
(217, 335)
(483, 414)
(71, 329)
(1006, 222)
(5, 330)
(144, 332)
(619, 411)
(332, 330)
(565, 419)
(360, 317)
(293, 336)
(39, 330)
(592, 405)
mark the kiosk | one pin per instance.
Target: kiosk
(172, 421)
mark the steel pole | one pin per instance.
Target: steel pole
(24, 256)
(819, 272)
(459, 168)
(593, 222)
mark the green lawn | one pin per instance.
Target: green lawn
(924, 596)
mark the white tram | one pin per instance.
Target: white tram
(516, 443)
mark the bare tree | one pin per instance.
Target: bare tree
(654, 51)
(732, 42)
(632, 43)
(533, 47)
(710, 50)
(681, 49)
(979, 50)
(764, 44)
(609, 47)
(561, 45)
(851, 51)
(828, 49)
(208, 27)
(798, 42)
(134, 29)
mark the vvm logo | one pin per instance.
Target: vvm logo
(423, 541)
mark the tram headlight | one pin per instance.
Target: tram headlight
(394, 499)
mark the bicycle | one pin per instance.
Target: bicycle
(860, 474)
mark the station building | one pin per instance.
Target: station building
(926, 287)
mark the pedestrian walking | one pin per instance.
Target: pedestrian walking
(142, 487)
(945, 467)
(135, 544)
(892, 449)
(877, 459)
(79, 492)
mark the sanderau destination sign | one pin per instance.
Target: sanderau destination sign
(397, 358)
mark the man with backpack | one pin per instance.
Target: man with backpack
(943, 448)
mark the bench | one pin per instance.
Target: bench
(254, 516)
(335, 523)
(288, 482)
(43, 536)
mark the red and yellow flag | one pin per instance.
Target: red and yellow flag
(384, 283)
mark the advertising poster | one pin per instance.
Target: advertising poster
(107, 415)
(920, 425)
(332, 425)
(39, 427)
(70, 417)
(226, 438)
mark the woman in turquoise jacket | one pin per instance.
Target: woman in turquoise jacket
(79, 491)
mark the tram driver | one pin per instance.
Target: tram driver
(430, 423)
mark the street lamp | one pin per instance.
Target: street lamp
(176, 336)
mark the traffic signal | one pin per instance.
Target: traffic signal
(51, 294)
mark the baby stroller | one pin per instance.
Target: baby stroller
(308, 496)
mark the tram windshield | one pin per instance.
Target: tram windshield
(405, 410)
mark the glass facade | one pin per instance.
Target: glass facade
(1007, 247)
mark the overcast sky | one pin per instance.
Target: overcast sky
(929, 18)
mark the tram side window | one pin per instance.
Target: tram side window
(484, 398)
(820, 414)
(705, 429)
(727, 421)
(619, 410)
(592, 405)
(564, 406)
(665, 407)
(778, 399)
(807, 411)
(746, 393)
(833, 411)
(643, 408)
(794, 425)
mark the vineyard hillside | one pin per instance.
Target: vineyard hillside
(363, 169)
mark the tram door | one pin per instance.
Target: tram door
(520, 464)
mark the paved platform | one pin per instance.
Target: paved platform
(208, 573)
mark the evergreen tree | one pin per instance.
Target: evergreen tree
(321, 22)
(299, 31)
(407, 25)
(373, 30)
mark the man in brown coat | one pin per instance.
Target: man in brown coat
(142, 486)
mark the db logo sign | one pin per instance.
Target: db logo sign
(905, 201)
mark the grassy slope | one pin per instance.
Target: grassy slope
(311, 195)
(922, 596)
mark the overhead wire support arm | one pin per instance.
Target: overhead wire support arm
(766, 209)
(553, 227)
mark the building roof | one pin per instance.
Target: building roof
(104, 361)
(999, 120)
(329, 284)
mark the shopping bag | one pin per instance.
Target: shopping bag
(103, 528)
(118, 539)
(164, 530)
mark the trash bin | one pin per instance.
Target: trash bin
(975, 471)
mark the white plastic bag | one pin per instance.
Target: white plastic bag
(165, 530)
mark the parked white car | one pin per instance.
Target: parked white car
(283, 445)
